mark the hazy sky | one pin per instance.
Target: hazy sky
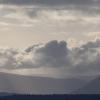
(33, 24)
(27, 22)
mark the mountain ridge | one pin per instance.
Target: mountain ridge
(93, 87)
(12, 83)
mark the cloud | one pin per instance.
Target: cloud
(83, 60)
(83, 5)
(58, 16)
(7, 59)
(52, 54)
(87, 58)
(51, 2)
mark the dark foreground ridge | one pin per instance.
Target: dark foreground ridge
(51, 97)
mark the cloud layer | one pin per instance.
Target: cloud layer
(52, 2)
(40, 21)
(83, 60)
(54, 19)
(52, 54)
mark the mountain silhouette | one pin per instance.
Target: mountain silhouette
(11, 83)
(93, 87)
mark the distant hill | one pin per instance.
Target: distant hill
(93, 87)
(11, 83)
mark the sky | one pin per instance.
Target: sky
(54, 38)
(27, 22)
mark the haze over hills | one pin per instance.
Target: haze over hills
(93, 87)
(11, 83)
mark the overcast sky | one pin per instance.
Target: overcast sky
(38, 35)
(27, 22)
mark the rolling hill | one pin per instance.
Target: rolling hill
(12, 83)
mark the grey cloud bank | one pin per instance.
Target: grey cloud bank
(82, 5)
(51, 16)
(50, 2)
(84, 60)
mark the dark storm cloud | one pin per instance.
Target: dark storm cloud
(53, 54)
